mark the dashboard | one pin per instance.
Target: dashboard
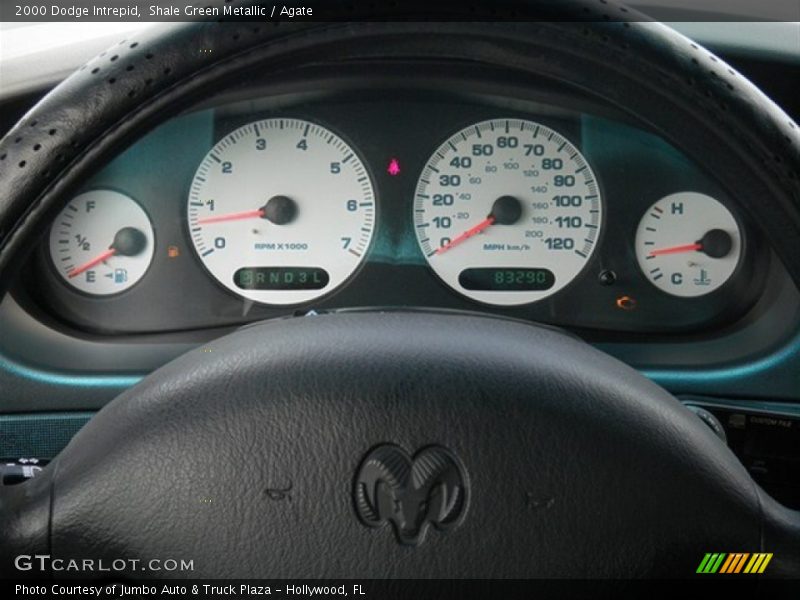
(406, 185)
(390, 184)
(456, 189)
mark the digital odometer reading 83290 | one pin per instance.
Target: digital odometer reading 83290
(507, 211)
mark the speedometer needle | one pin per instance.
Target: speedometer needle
(506, 210)
(488, 221)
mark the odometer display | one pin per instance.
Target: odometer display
(507, 280)
(507, 195)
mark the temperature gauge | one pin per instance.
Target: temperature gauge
(101, 243)
(688, 244)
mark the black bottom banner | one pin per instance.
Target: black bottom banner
(410, 589)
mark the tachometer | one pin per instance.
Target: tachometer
(507, 211)
(281, 211)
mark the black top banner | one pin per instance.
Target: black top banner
(334, 10)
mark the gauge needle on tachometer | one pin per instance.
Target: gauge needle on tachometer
(506, 210)
(279, 210)
(239, 216)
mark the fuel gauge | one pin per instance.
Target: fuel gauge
(688, 244)
(102, 242)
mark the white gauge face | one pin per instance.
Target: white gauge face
(102, 242)
(281, 211)
(688, 244)
(507, 211)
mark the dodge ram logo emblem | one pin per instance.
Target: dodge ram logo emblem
(410, 493)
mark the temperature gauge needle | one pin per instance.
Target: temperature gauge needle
(678, 249)
(716, 243)
(95, 261)
(506, 210)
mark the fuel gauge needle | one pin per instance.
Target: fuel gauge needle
(95, 261)
(128, 241)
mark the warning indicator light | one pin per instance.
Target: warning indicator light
(626, 303)
(393, 168)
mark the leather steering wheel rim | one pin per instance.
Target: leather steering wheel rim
(74, 507)
(649, 70)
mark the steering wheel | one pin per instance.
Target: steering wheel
(402, 444)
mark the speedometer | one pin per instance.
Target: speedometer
(507, 211)
(281, 211)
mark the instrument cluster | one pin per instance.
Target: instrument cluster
(285, 204)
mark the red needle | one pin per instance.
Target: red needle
(467, 234)
(95, 261)
(248, 214)
(678, 249)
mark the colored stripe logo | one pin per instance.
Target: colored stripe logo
(734, 562)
